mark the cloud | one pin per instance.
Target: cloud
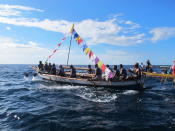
(111, 31)
(18, 7)
(14, 52)
(162, 33)
(95, 32)
(15, 10)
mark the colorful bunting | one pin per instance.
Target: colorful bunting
(108, 72)
(58, 45)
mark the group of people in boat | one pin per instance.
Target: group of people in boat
(119, 73)
(51, 69)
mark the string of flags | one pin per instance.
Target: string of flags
(58, 45)
(108, 73)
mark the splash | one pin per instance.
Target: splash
(94, 95)
(36, 78)
(59, 87)
(26, 78)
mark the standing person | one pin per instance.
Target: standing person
(149, 66)
(53, 70)
(73, 72)
(173, 68)
(98, 73)
(123, 72)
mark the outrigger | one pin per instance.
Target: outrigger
(82, 79)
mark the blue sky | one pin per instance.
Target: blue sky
(118, 31)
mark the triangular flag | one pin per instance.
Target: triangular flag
(90, 54)
(100, 64)
(84, 47)
(87, 50)
(103, 67)
(76, 35)
(96, 60)
(54, 50)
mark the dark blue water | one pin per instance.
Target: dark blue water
(33, 104)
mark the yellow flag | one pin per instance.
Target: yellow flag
(71, 30)
(87, 50)
(100, 63)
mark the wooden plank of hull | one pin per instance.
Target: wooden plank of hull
(126, 85)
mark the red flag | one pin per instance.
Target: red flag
(90, 54)
(50, 56)
(54, 50)
(103, 68)
(80, 41)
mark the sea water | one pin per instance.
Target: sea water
(30, 103)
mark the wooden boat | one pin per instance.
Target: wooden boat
(84, 81)
(122, 85)
(160, 75)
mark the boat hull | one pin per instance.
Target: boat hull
(122, 85)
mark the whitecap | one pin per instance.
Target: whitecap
(129, 92)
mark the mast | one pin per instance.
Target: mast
(70, 43)
(69, 50)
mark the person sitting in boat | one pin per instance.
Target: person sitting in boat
(98, 73)
(142, 67)
(90, 71)
(53, 70)
(61, 71)
(170, 70)
(73, 72)
(116, 73)
(49, 68)
(46, 68)
(41, 66)
(136, 72)
(149, 66)
(108, 67)
(123, 72)
(164, 71)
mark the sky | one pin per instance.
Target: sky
(117, 31)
